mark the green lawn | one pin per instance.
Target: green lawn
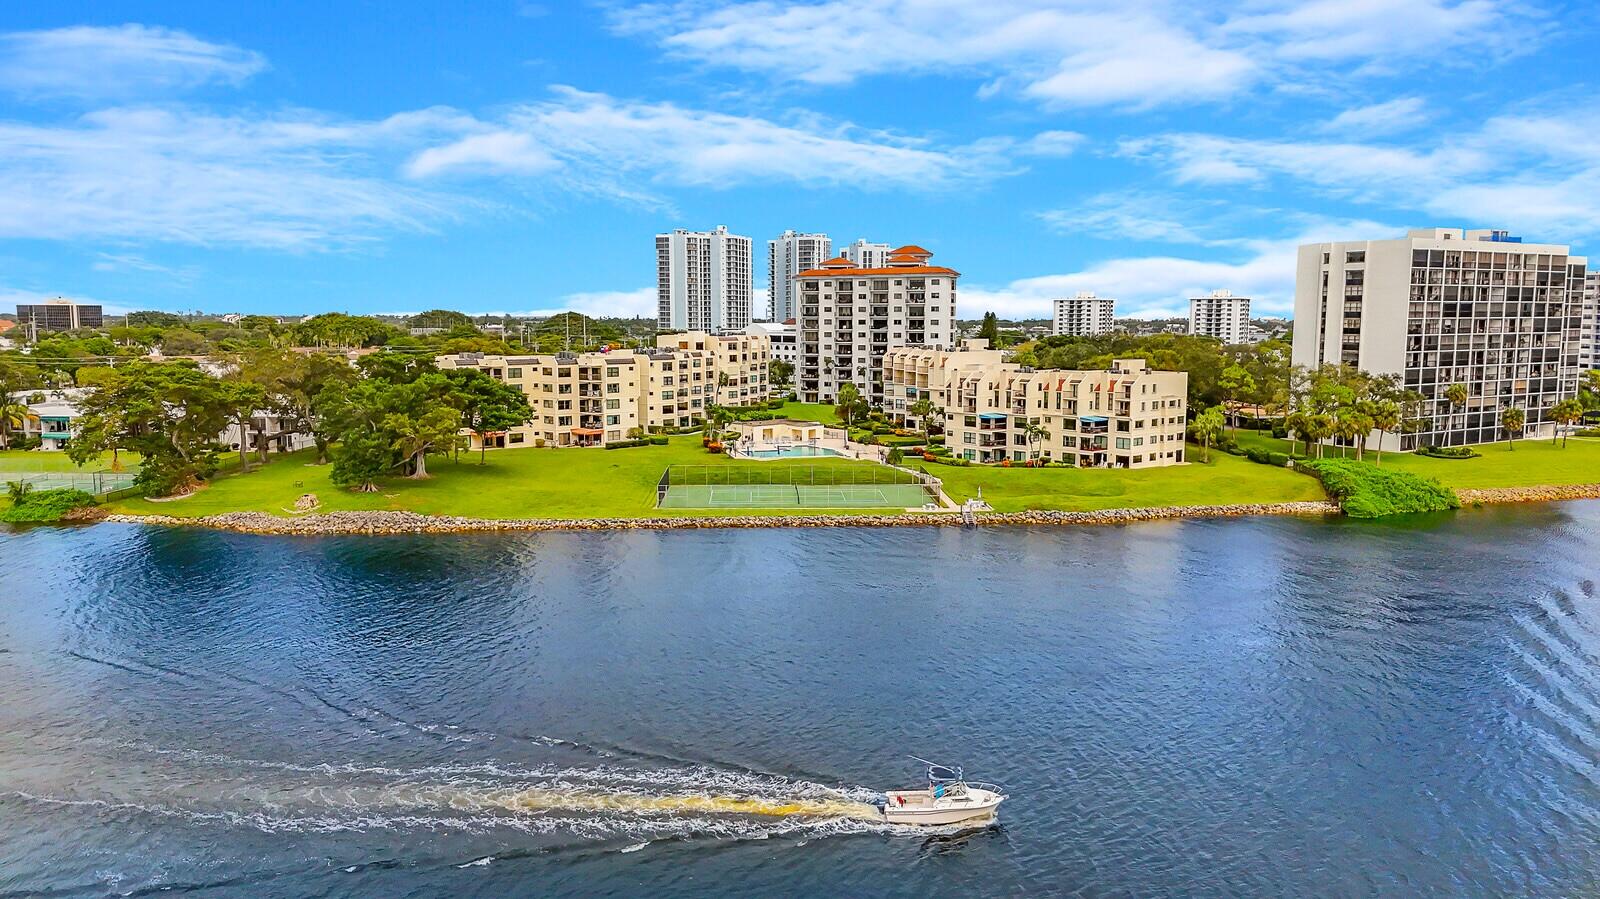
(1225, 479)
(822, 412)
(39, 460)
(516, 483)
(1533, 463)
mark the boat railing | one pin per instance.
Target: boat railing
(981, 785)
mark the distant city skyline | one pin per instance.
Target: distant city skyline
(518, 159)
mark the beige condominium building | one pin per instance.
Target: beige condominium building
(1126, 417)
(741, 363)
(851, 315)
(1444, 306)
(591, 399)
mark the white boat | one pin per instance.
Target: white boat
(949, 799)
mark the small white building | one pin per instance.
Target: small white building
(782, 337)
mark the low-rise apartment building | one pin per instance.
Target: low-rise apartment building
(1128, 416)
(741, 363)
(591, 399)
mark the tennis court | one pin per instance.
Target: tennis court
(766, 486)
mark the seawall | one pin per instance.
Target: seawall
(336, 523)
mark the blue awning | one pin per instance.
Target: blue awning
(1095, 418)
(990, 416)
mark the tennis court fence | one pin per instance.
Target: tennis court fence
(764, 484)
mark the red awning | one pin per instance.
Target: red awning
(588, 432)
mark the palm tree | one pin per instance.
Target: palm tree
(1208, 426)
(1512, 421)
(923, 410)
(1353, 425)
(13, 414)
(1318, 427)
(1385, 415)
(1034, 433)
(1567, 412)
(845, 401)
(1456, 394)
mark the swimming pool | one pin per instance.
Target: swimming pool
(793, 452)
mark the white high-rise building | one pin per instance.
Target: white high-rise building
(788, 256)
(1589, 336)
(866, 255)
(1221, 315)
(851, 315)
(702, 281)
(1445, 306)
(1084, 315)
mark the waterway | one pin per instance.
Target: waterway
(1258, 707)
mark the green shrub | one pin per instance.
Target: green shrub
(891, 440)
(1258, 456)
(658, 441)
(895, 456)
(623, 444)
(1366, 491)
(1279, 459)
(946, 460)
(936, 440)
(44, 505)
(1448, 452)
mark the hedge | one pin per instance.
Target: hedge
(891, 440)
(946, 460)
(46, 505)
(643, 441)
(1448, 452)
(1366, 491)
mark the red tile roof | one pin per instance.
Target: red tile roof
(910, 249)
(886, 272)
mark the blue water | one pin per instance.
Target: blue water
(793, 452)
(1250, 707)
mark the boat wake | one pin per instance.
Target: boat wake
(609, 802)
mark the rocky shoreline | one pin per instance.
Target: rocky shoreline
(371, 523)
(1554, 493)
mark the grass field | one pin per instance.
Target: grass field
(1533, 463)
(517, 483)
(38, 460)
(1225, 479)
(822, 412)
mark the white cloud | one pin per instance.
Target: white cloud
(1076, 53)
(500, 153)
(296, 180)
(1391, 117)
(119, 61)
(1538, 174)
(1052, 143)
(132, 262)
(640, 302)
(1388, 32)
(1140, 216)
(616, 146)
(1139, 54)
(1160, 286)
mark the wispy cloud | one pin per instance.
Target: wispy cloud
(295, 180)
(1379, 119)
(1531, 172)
(1158, 286)
(640, 302)
(132, 262)
(623, 147)
(120, 61)
(1140, 54)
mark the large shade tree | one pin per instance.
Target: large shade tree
(170, 413)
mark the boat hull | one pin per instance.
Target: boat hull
(922, 812)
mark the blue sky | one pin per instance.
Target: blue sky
(520, 156)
